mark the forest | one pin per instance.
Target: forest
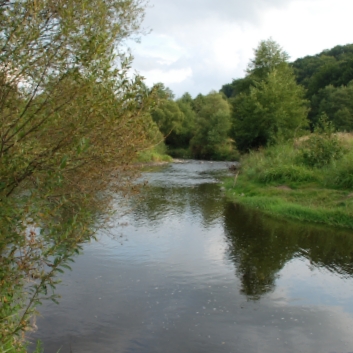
(276, 100)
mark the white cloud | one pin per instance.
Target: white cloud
(168, 77)
(200, 45)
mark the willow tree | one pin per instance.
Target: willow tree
(71, 120)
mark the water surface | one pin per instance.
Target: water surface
(188, 271)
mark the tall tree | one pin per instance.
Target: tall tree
(213, 125)
(275, 106)
(182, 137)
(268, 56)
(166, 114)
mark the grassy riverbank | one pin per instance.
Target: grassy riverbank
(280, 182)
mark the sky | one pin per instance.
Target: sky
(196, 46)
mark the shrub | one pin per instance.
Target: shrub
(322, 147)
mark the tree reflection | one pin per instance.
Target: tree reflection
(261, 246)
(159, 203)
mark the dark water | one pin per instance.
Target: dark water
(187, 271)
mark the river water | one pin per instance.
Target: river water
(186, 271)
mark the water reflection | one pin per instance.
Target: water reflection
(196, 273)
(202, 201)
(261, 246)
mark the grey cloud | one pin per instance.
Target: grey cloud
(203, 81)
(146, 63)
(196, 26)
(169, 14)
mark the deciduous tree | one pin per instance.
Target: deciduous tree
(274, 107)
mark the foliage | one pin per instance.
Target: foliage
(71, 122)
(168, 117)
(213, 125)
(180, 138)
(195, 128)
(240, 85)
(342, 175)
(276, 164)
(322, 147)
(268, 56)
(180, 152)
(332, 66)
(274, 109)
(276, 181)
(189, 123)
(321, 74)
(156, 153)
(337, 103)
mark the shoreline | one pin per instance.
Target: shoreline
(309, 203)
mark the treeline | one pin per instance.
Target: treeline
(327, 79)
(275, 101)
(195, 128)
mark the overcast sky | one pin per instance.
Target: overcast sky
(198, 45)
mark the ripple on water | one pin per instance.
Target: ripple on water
(186, 271)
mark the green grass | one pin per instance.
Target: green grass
(155, 154)
(275, 181)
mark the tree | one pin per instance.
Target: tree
(275, 107)
(163, 92)
(337, 103)
(166, 114)
(182, 137)
(71, 120)
(168, 117)
(237, 86)
(332, 67)
(212, 127)
(268, 56)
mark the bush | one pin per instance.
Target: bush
(257, 164)
(322, 147)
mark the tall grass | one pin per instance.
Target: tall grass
(285, 164)
(340, 174)
(277, 164)
(321, 193)
(154, 154)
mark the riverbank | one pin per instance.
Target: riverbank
(277, 182)
(308, 203)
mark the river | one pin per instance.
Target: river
(187, 271)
